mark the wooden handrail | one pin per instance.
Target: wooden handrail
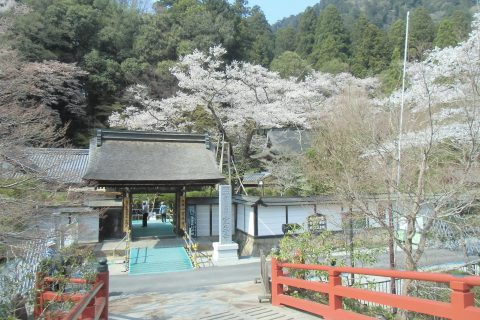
(80, 307)
(461, 306)
(413, 275)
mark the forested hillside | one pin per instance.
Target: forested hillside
(101, 47)
(366, 37)
(382, 12)
(118, 44)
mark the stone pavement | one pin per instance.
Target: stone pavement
(237, 301)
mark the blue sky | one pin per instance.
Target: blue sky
(278, 9)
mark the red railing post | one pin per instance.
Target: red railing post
(277, 288)
(39, 287)
(103, 275)
(461, 298)
(334, 279)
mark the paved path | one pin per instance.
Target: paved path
(173, 282)
(237, 301)
(214, 293)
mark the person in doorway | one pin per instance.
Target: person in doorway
(144, 214)
(163, 211)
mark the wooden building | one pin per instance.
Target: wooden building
(151, 162)
(258, 221)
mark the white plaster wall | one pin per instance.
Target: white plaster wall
(333, 214)
(299, 214)
(241, 217)
(80, 227)
(372, 223)
(88, 227)
(270, 220)
(203, 220)
(250, 226)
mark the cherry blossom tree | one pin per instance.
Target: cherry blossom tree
(240, 97)
(429, 192)
(34, 98)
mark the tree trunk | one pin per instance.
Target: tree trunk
(250, 127)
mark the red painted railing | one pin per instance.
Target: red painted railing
(460, 307)
(89, 305)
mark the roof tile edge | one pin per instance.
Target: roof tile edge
(110, 134)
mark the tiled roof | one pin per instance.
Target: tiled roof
(61, 165)
(279, 201)
(254, 177)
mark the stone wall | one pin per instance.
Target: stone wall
(249, 246)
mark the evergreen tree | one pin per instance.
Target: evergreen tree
(421, 33)
(306, 33)
(331, 39)
(391, 78)
(63, 30)
(285, 40)
(120, 28)
(157, 40)
(371, 53)
(359, 29)
(446, 36)
(462, 24)
(396, 38)
(259, 36)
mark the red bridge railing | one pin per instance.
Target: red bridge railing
(89, 305)
(460, 307)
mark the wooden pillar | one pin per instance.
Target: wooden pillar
(210, 219)
(235, 217)
(127, 210)
(180, 212)
(183, 212)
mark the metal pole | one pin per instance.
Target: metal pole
(391, 219)
(351, 245)
(400, 129)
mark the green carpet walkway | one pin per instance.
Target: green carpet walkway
(154, 228)
(147, 260)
